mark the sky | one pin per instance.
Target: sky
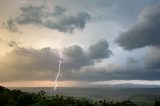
(103, 42)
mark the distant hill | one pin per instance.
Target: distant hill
(126, 85)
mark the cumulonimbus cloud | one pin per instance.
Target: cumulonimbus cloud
(41, 64)
(36, 64)
(145, 32)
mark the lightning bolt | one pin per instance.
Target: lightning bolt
(59, 62)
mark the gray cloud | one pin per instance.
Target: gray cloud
(100, 50)
(69, 23)
(11, 26)
(36, 64)
(57, 19)
(152, 58)
(113, 71)
(35, 59)
(28, 64)
(131, 70)
(31, 15)
(76, 58)
(39, 64)
(59, 11)
(145, 32)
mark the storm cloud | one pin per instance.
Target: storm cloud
(41, 63)
(145, 32)
(131, 70)
(69, 23)
(100, 50)
(42, 16)
(33, 55)
(76, 58)
(31, 15)
(28, 63)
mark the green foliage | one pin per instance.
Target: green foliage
(19, 98)
(157, 103)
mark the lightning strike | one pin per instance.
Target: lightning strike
(59, 62)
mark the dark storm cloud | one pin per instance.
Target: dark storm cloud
(100, 50)
(131, 70)
(69, 23)
(31, 15)
(127, 71)
(145, 32)
(39, 64)
(31, 64)
(42, 16)
(76, 58)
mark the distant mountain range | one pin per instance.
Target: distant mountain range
(126, 85)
